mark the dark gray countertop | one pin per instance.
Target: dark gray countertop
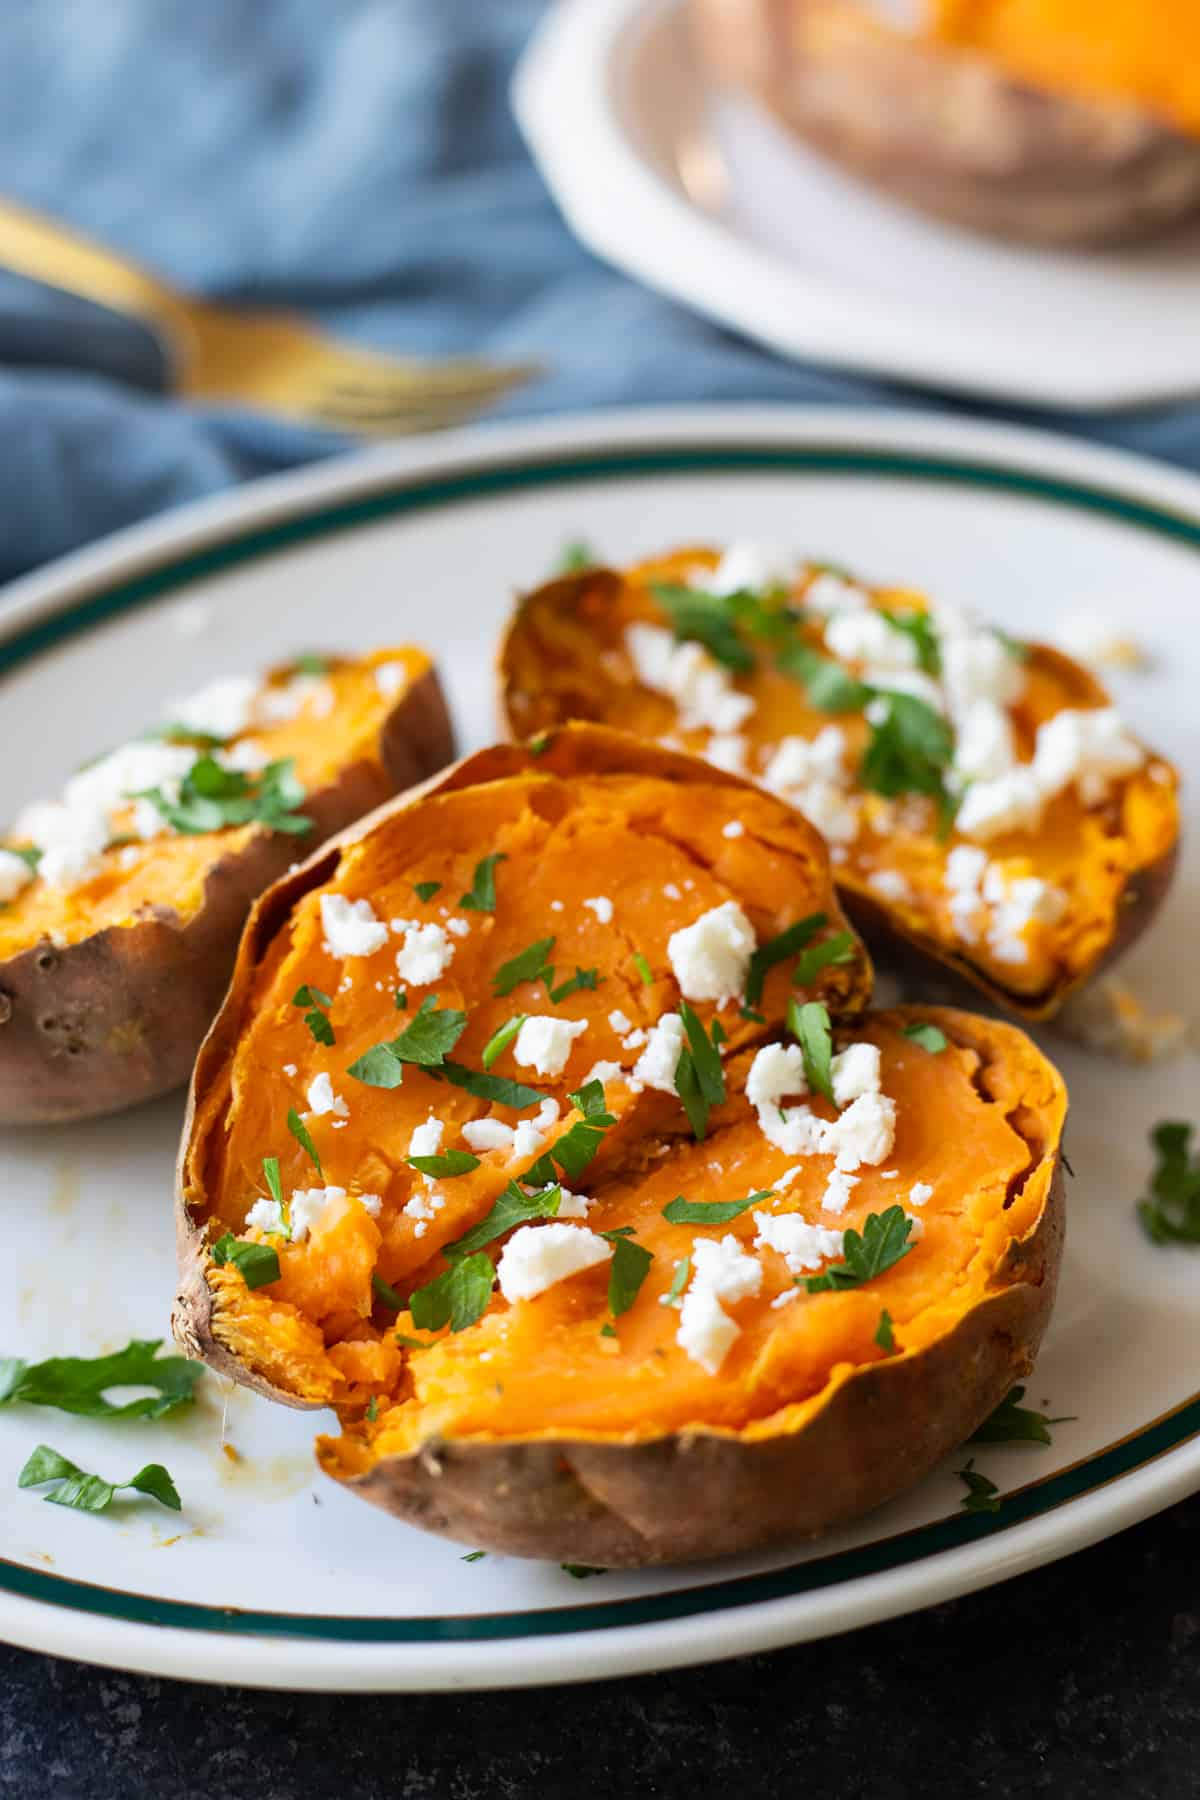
(1080, 1681)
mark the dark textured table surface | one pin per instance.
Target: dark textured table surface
(1081, 1680)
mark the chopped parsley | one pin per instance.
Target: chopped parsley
(881, 1244)
(627, 1271)
(385, 1292)
(29, 854)
(643, 968)
(514, 1207)
(982, 1495)
(928, 1036)
(426, 1040)
(577, 1146)
(680, 1276)
(885, 1337)
(918, 626)
(300, 1132)
(777, 950)
(829, 686)
(79, 1384)
(373, 1408)
(582, 978)
(318, 1004)
(481, 895)
(72, 1486)
(707, 619)
(575, 556)
(258, 1264)
(699, 1077)
(1171, 1213)
(809, 1025)
(1012, 1423)
(457, 1298)
(581, 1571)
(311, 663)
(501, 1039)
(473, 1556)
(497, 1088)
(539, 743)
(709, 1212)
(425, 890)
(840, 948)
(909, 751)
(528, 965)
(270, 1169)
(212, 797)
(448, 1164)
(748, 1012)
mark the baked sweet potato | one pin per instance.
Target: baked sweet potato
(984, 805)
(668, 1302)
(123, 901)
(995, 117)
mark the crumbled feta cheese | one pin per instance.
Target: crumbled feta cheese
(706, 1332)
(983, 745)
(536, 1257)
(710, 957)
(247, 756)
(285, 700)
(890, 885)
(734, 829)
(556, 906)
(856, 1070)
(459, 928)
(727, 750)
(527, 1139)
(801, 1245)
(1012, 802)
(425, 954)
(830, 811)
(866, 637)
(351, 927)
(604, 1072)
(289, 1069)
(15, 874)
(919, 1193)
(701, 688)
(620, 1022)
(1089, 747)
(797, 761)
(544, 1042)
(836, 1197)
(371, 1203)
(776, 1072)
(749, 566)
(322, 1099)
(786, 1179)
(426, 1138)
(656, 1065)
(487, 1134)
(267, 1216)
(830, 593)
(672, 892)
(721, 1266)
(390, 677)
(1018, 904)
(221, 710)
(976, 665)
(304, 1211)
(602, 906)
(572, 1206)
(864, 1133)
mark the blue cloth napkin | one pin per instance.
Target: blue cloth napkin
(353, 158)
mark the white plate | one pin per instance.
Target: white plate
(703, 196)
(275, 1576)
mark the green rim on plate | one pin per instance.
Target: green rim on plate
(414, 494)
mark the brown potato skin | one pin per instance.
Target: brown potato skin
(116, 1018)
(945, 131)
(880, 1432)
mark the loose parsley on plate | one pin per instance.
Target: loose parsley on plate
(73, 1486)
(79, 1384)
(1171, 1213)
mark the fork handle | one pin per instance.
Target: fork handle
(48, 252)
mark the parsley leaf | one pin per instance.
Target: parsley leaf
(528, 965)
(449, 1163)
(311, 662)
(928, 1036)
(271, 1177)
(501, 1039)
(574, 557)
(212, 797)
(629, 1268)
(426, 1040)
(29, 854)
(777, 950)
(699, 1077)
(643, 968)
(79, 1384)
(473, 1556)
(497, 1088)
(680, 1277)
(706, 619)
(909, 751)
(385, 1292)
(829, 686)
(73, 1486)
(258, 1264)
(885, 1337)
(425, 890)
(1171, 1215)
(919, 627)
(514, 1207)
(840, 948)
(1013, 1423)
(582, 978)
(577, 1146)
(458, 1297)
(300, 1132)
(481, 895)
(882, 1243)
(982, 1495)
(809, 1025)
(581, 1571)
(319, 1004)
(710, 1212)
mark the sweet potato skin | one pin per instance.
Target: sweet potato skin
(942, 130)
(879, 1432)
(116, 1018)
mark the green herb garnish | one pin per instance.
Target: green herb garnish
(425, 890)
(643, 968)
(318, 1005)
(300, 1132)
(373, 1408)
(1013, 1423)
(928, 1036)
(699, 1077)
(79, 1384)
(909, 751)
(457, 1298)
(580, 1571)
(73, 1486)
(840, 948)
(710, 1212)
(539, 743)
(707, 619)
(385, 1292)
(577, 1146)
(829, 686)
(885, 1337)
(501, 1039)
(809, 1025)
(881, 1244)
(528, 965)
(497, 1088)
(777, 950)
(481, 895)
(29, 854)
(311, 663)
(982, 1495)
(258, 1264)
(270, 1168)
(680, 1276)
(212, 797)
(607, 1330)
(426, 1041)
(473, 1556)
(582, 978)
(575, 556)
(1171, 1214)
(628, 1269)
(514, 1207)
(448, 1164)
(918, 626)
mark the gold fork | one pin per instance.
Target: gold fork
(272, 361)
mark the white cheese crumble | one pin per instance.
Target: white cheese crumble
(322, 1099)
(536, 1257)
(830, 593)
(919, 1193)
(459, 928)
(701, 689)
(390, 677)
(721, 1270)
(777, 1072)
(836, 1197)
(856, 1070)
(706, 1332)
(734, 829)
(351, 927)
(1011, 802)
(604, 1072)
(487, 1134)
(15, 874)
(425, 954)
(281, 701)
(710, 957)
(426, 1138)
(890, 885)
(656, 1065)
(672, 892)
(864, 1133)
(866, 637)
(801, 1245)
(602, 906)
(749, 566)
(221, 710)
(727, 750)
(620, 1022)
(544, 1042)
(1089, 747)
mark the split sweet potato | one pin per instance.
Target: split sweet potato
(118, 936)
(588, 987)
(966, 828)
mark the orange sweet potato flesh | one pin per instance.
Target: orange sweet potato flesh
(107, 988)
(563, 657)
(536, 1430)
